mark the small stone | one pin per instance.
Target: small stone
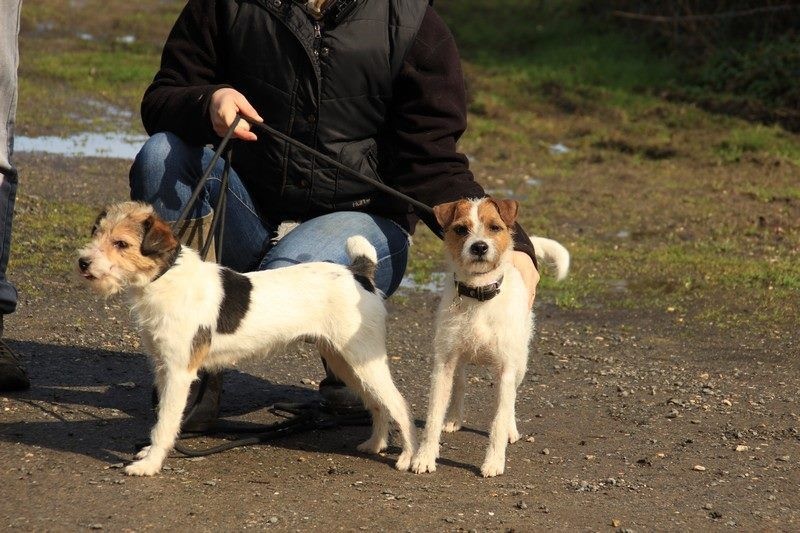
(783, 458)
(546, 451)
(308, 381)
(273, 519)
(615, 523)
(530, 439)
(708, 507)
(450, 520)
(95, 526)
(210, 483)
(727, 402)
(522, 505)
(127, 385)
(742, 448)
(672, 414)
(699, 468)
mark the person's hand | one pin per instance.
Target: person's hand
(530, 275)
(225, 105)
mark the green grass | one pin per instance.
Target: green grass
(47, 236)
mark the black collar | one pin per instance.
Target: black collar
(482, 293)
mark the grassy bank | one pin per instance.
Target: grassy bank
(664, 206)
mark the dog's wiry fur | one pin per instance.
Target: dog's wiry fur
(478, 247)
(197, 315)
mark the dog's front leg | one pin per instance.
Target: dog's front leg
(495, 461)
(455, 412)
(441, 387)
(173, 388)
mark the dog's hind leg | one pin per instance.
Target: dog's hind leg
(455, 412)
(513, 433)
(494, 463)
(379, 439)
(376, 380)
(173, 391)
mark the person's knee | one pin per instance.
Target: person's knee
(149, 167)
(153, 164)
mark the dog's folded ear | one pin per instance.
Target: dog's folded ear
(157, 237)
(445, 213)
(508, 210)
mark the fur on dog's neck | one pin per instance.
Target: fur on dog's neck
(170, 259)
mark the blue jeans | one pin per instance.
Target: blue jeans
(9, 59)
(166, 170)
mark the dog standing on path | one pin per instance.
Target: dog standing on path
(483, 318)
(198, 315)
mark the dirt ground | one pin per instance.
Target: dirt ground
(630, 423)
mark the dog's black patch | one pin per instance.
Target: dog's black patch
(363, 269)
(235, 301)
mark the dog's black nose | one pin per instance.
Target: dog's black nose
(83, 264)
(479, 248)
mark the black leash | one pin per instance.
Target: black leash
(299, 417)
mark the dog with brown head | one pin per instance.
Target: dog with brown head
(130, 247)
(483, 318)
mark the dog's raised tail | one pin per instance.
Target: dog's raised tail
(363, 261)
(552, 252)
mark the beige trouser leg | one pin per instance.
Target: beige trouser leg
(195, 232)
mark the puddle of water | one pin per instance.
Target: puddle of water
(500, 193)
(126, 39)
(112, 145)
(435, 284)
(533, 182)
(559, 148)
(623, 234)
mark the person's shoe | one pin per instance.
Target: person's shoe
(12, 374)
(202, 406)
(337, 397)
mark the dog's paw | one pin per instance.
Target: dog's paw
(493, 466)
(513, 434)
(372, 445)
(143, 467)
(141, 454)
(451, 427)
(404, 461)
(424, 461)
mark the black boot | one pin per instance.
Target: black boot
(335, 394)
(202, 406)
(12, 373)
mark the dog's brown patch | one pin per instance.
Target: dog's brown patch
(454, 217)
(497, 218)
(201, 344)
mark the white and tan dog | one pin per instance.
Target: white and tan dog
(197, 315)
(483, 318)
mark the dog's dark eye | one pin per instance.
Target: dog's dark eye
(494, 228)
(460, 230)
(121, 245)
